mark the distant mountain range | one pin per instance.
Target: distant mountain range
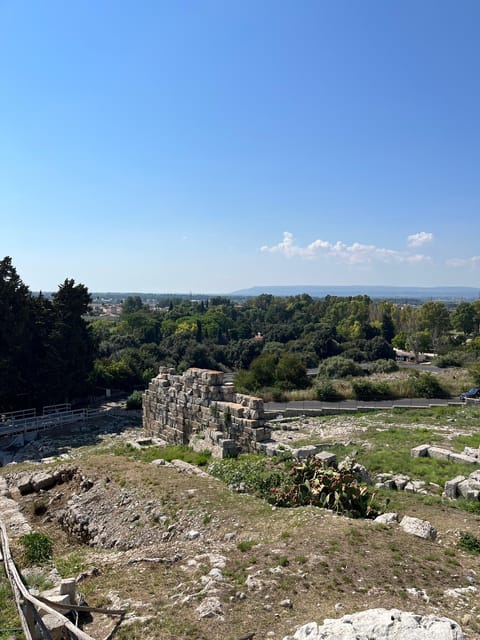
(382, 292)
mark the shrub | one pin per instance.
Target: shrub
(426, 385)
(448, 360)
(327, 392)
(383, 366)
(134, 400)
(37, 548)
(278, 395)
(339, 367)
(366, 390)
(246, 545)
(469, 542)
(256, 474)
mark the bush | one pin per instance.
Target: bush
(426, 385)
(366, 390)
(327, 392)
(448, 360)
(255, 474)
(339, 367)
(469, 542)
(134, 400)
(37, 548)
(383, 366)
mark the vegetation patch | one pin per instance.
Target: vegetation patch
(469, 542)
(311, 483)
(168, 453)
(37, 548)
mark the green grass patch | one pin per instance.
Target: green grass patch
(462, 416)
(8, 612)
(71, 565)
(169, 453)
(469, 542)
(460, 442)
(397, 461)
(246, 545)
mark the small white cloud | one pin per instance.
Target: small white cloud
(472, 262)
(355, 253)
(419, 239)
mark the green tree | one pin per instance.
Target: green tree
(72, 348)
(463, 318)
(15, 337)
(434, 317)
(291, 373)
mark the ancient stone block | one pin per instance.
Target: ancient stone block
(421, 451)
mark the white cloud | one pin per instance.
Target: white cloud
(472, 262)
(419, 239)
(355, 253)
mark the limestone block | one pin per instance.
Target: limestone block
(55, 626)
(327, 458)
(463, 488)
(25, 486)
(401, 481)
(439, 452)
(462, 458)
(421, 451)
(420, 528)
(261, 433)
(42, 480)
(475, 475)
(305, 452)
(451, 486)
(387, 518)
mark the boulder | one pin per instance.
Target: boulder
(451, 486)
(42, 480)
(421, 451)
(387, 518)
(420, 528)
(381, 624)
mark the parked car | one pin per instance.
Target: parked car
(471, 393)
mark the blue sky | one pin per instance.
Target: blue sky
(214, 145)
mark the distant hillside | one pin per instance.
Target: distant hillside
(383, 292)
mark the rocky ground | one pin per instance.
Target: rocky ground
(187, 558)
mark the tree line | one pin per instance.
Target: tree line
(52, 350)
(47, 349)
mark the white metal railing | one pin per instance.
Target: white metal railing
(49, 421)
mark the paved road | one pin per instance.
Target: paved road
(358, 404)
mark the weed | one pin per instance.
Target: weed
(37, 548)
(39, 581)
(355, 535)
(246, 545)
(283, 561)
(8, 612)
(169, 453)
(469, 542)
(70, 565)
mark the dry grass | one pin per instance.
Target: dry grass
(307, 555)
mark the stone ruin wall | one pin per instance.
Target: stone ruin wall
(198, 409)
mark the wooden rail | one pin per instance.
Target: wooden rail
(29, 605)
